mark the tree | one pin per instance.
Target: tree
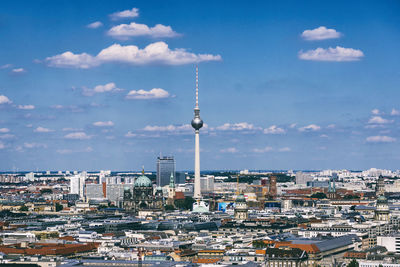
(169, 207)
(101, 207)
(46, 191)
(185, 204)
(59, 207)
(353, 263)
(23, 208)
(348, 196)
(259, 244)
(319, 195)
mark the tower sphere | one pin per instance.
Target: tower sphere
(197, 123)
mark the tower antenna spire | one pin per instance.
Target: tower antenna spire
(197, 86)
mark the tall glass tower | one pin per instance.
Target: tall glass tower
(165, 166)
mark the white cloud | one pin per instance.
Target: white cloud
(5, 66)
(379, 120)
(274, 130)
(380, 139)
(72, 108)
(395, 112)
(168, 128)
(78, 136)
(129, 13)
(35, 145)
(158, 52)
(70, 151)
(311, 127)
(71, 60)
(42, 130)
(19, 70)
(103, 123)
(324, 136)
(94, 25)
(2, 146)
(26, 107)
(374, 126)
(331, 126)
(154, 93)
(68, 129)
(106, 88)
(338, 54)
(285, 149)
(130, 134)
(124, 31)
(293, 125)
(375, 111)
(263, 150)
(4, 130)
(4, 100)
(229, 150)
(237, 127)
(320, 33)
(7, 136)
(64, 151)
(155, 53)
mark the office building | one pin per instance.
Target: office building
(180, 177)
(77, 184)
(165, 166)
(302, 178)
(94, 191)
(207, 184)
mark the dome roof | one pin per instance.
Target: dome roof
(143, 181)
(382, 199)
(240, 198)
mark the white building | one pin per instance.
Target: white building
(207, 184)
(77, 184)
(391, 243)
(302, 178)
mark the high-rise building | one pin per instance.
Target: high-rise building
(302, 178)
(207, 184)
(74, 184)
(77, 184)
(180, 177)
(272, 186)
(165, 166)
(94, 191)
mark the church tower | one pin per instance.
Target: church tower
(241, 209)
(171, 190)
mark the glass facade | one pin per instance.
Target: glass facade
(165, 166)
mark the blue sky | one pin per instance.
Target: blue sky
(88, 85)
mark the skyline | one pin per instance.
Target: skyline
(282, 86)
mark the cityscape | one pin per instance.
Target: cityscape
(293, 160)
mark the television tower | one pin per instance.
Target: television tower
(197, 123)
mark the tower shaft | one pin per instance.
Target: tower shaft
(197, 189)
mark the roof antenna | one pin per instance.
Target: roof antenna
(197, 86)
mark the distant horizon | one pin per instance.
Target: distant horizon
(188, 171)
